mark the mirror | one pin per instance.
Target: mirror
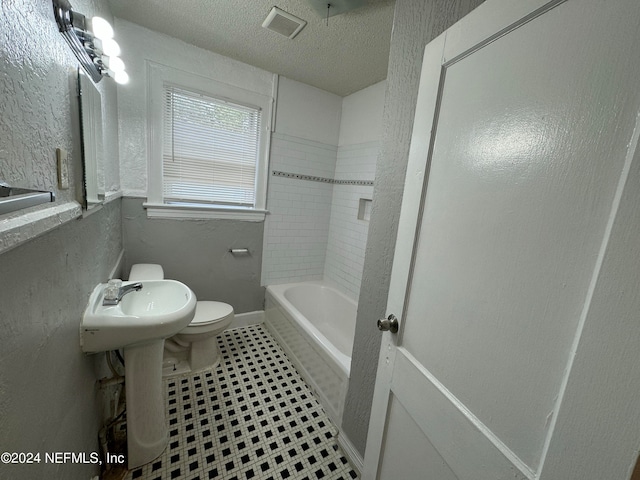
(91, 140)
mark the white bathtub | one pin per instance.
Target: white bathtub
(315, 325)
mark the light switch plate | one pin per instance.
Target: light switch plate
(63, 168)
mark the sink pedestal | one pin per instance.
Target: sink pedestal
(147, 433)
(139, 320)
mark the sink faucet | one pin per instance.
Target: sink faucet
(111, 299)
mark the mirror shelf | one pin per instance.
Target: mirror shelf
(13, 199)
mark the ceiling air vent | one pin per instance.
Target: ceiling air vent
(283, 23)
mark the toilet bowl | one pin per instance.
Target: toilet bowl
(211, 319)
(196, 346)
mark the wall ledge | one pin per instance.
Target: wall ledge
(20, 227)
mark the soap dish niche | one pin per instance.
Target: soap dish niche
(364, 209)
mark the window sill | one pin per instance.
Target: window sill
(203, 212)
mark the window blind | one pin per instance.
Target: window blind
(210, 149)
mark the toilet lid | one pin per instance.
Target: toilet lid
(209, 312)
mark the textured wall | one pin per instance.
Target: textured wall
(192, 251)
(416, 22)
(141, 45)
(47, 385)
(196, 252)
(37, 89)
(34, 92)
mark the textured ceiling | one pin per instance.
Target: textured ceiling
(348, 55)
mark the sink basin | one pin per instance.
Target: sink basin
(161, 309)
(139, 324)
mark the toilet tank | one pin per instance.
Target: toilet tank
(146, 271)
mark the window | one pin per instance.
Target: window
(208, 148)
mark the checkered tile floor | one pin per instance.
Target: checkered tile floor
(252, 417)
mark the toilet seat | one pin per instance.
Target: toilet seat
(209, 314)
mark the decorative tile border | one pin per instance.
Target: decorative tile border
(299, 176)
(353, 182)
(312, 178)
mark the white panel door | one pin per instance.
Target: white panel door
(521, 146)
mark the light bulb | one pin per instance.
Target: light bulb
(114, 63)
(101, 28)
(109, 47)
(121, 77)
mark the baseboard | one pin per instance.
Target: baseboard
(246, 319)
(350, 451)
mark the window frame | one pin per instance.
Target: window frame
(161, 75)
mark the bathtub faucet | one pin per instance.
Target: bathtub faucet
(110, 299)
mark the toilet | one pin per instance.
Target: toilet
(194, 347)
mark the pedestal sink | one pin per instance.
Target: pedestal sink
(139, 323)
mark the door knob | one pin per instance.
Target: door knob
(389, 324)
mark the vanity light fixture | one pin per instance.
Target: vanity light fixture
(91, 40)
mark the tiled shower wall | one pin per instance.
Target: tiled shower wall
(297, 227)
(348, 234)
(312, 231)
